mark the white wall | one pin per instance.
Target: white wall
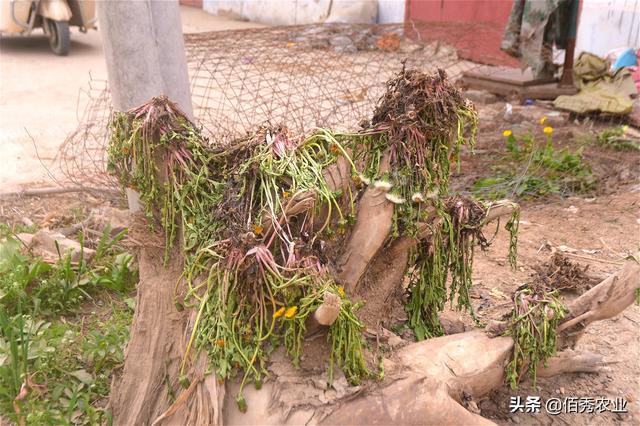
(273, 12)
(300, 12)
(608, 24)
(391, 11)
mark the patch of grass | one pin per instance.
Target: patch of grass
(65, 371)
(63, 328)
(27, 280)
(533, 170)
(618, 139)
(9, 230)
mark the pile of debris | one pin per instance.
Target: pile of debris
(353, 39)
(561, 274)
(53, 244)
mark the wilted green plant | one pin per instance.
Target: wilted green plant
(533, 326)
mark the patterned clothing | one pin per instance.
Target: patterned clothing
(533, 27)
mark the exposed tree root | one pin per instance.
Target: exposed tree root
(439, 372)
(153, 353)
(571, 361)
(251, 250)
(373, 224)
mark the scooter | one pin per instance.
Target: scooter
(53, 16)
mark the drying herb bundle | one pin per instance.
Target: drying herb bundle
(251, 268)
(421, 123)
(534, 321)
(260, 222)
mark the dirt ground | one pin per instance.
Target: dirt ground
(597, 230)
(607, 225)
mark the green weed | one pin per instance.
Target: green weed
(56, 362)
(64, 385)
(532, 170)
(533, 325)
(60, 287)
(617, 138)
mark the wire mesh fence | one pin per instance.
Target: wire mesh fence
(301, 77)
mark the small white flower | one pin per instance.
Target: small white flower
(395, 199)
(417, 197)
(382, 185)
(364, 180)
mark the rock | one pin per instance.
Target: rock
(343, 44)
(451, 323)
(44, 244)
(481, 97)
(392, 339)
(25, 238)
(101, 218)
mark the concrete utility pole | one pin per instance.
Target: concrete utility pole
(144, 50)
(145, 56)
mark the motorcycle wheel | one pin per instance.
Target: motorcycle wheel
(59, 38)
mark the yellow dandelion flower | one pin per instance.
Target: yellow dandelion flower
(279, 312)
(220, 343)
(507, 133)
(548, 130)
(341, 291)
(543, 120)
(290, 312)
(286, 194)
(257, 229)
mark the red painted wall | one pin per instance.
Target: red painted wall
(192, 3)
(494, 11)
(474, 27)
